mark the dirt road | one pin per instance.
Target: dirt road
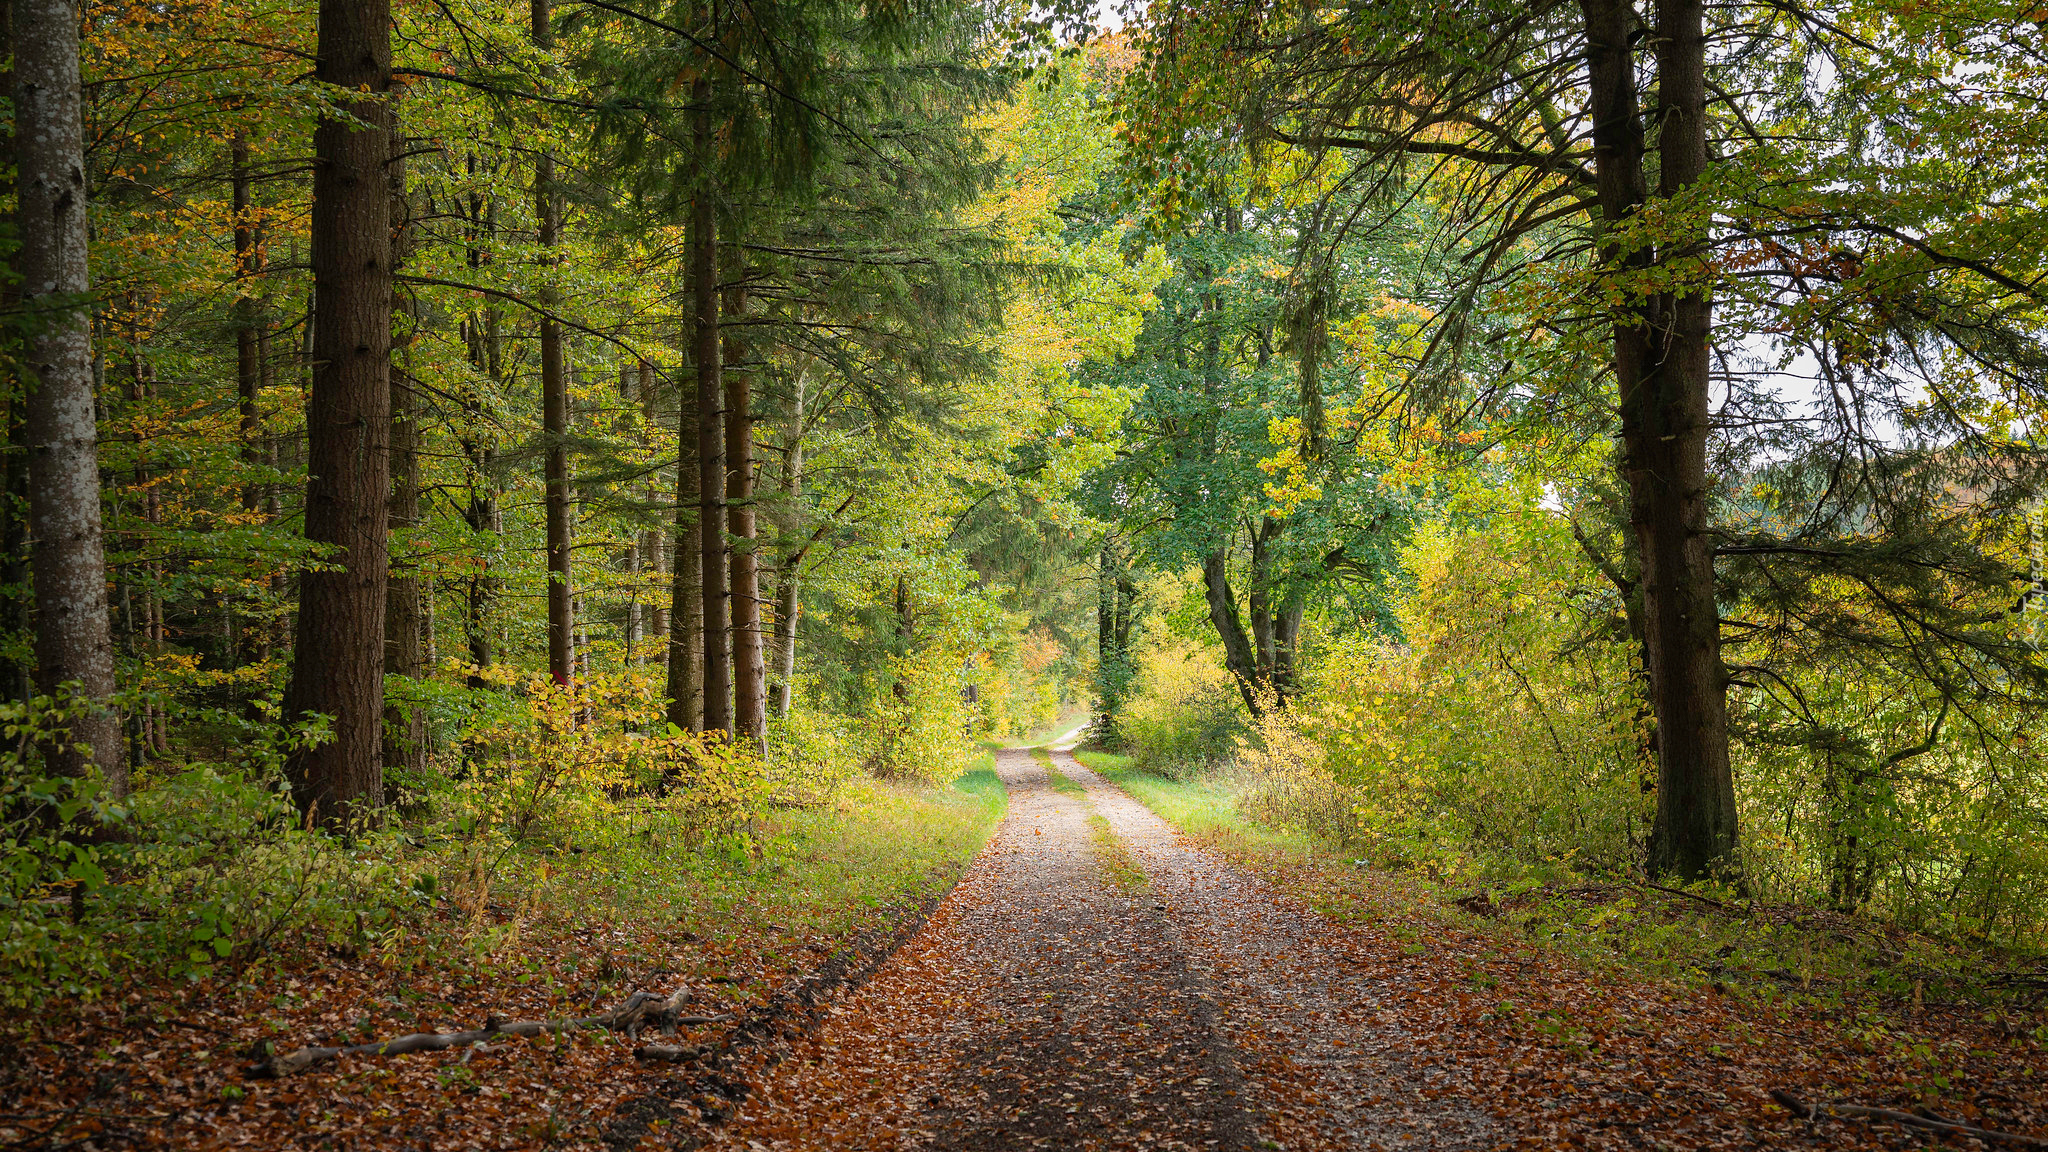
(1053, 1003)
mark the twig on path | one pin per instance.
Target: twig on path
(641, 1010)
(1801, 1109)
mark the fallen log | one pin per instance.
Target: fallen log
(666, 1053)
(640, 1011)
(1801, 1109)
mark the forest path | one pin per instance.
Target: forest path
(1054, 1003)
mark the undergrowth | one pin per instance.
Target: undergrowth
(1793, 955)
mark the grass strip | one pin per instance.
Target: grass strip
(1110, 850)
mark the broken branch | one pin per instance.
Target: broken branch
(1801, 1109)
(641, 1010)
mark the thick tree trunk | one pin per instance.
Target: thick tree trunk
(1261, 595)
(74, 638)
(1238, 655)
(17, 680)
(1661, 363)
(710, 435)
(338, 665)
(1286, 640)
(750, 687)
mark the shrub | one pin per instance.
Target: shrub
(1186, 713)
(920, 722)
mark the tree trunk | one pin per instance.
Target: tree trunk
(636, 647)
(750, 688)
(1286, 638)
(405, 723)
(1261, 597)
(652, 559)
(686, 615)
(789, 563)
(483, 516)
(554, 393)
(1238, 655)
(1661, 364)
(1105, 608)
(74, 638)
(710, 433)
(337, 665)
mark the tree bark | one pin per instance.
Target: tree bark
(1238, 655)
(750, 686)
(710, 432)
(789, 562)
(338, 666)
(1261, 595)
(484, 515)
(554, 392)
(686, 615)
(74, 638)
(1662, 355)
(651, 557)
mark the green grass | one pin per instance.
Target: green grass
(824, 870)
(1199, 808)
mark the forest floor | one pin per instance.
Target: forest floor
(1098, 979)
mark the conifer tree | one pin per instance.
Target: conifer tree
(338, 656)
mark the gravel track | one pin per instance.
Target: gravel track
(1044, 1007)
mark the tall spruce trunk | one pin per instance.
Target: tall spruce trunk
(338, 663)
(686, 605)
(1661, 363)
(749, 669)
(74, 641)
(554, 399)
(710, 432)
